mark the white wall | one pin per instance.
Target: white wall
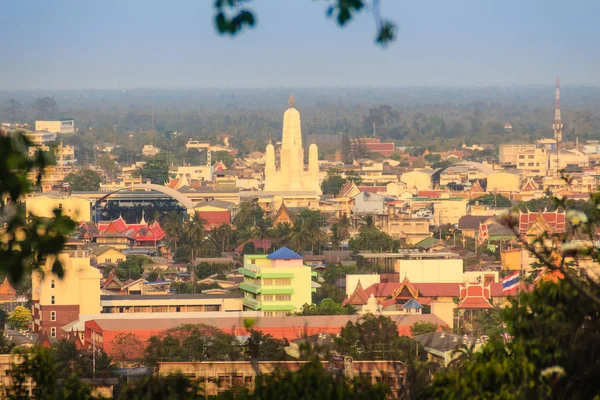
(366, 280)
(431, 271)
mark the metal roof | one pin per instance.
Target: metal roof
(284, 253)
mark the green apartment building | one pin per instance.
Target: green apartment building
(276, 284)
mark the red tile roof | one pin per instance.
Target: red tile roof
(475, 296)
(554, 219)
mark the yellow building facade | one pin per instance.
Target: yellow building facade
(59, 301)
(503, 182)
(75, 207)
(276, 284)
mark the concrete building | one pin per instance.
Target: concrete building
(435, 269)
(503, 182)
(276, 284)
(421, 179)
(412, 230)
(509, 153)
(59, 301)
(169, 303)
(191, 173)
(64, 126)
(566, 158)
(291, 175)
(216, 377)
(369, 203)
(75, 207)
(533, 162)
(149, 150)
(448, 210)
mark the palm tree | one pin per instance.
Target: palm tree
(281, 233)
(299, 236)
(462, 355)
(334, 237)
(173, 226)
(368, 223)
(195, 233)
(70, 359)
(221, 237)
(343, 227)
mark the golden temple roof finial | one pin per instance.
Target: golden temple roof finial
(291, 101)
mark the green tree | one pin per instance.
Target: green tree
(132, 267)
(354, 177)
(84, 180)
(155, 170)
(233, 17)
(108, 165)
(433, 158)
(333, 182)
(462, 355)
(170, 387)
(128, 349)
(496, 200)
(20, 318)
(327, 306)
(281, 234)
(193, 343)
(261, 347)
(172, 223)
(224, 156)
(371, 337)
(374, 240)
(222, 237)
(312, 381)
(420, 328)
(195, 235)
(70, 360)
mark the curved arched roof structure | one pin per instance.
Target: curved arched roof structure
(180, 197)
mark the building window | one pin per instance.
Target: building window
(60, 205)
(530, 157)
(52, 300)
(53, 332)
(283, 281)
(521, 157)
(108, 260)
(253, 261)
(52, 315)
(267, 297)
(52, 284)
(283, 297)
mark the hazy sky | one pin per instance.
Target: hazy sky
(54, 44)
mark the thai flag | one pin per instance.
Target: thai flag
(510, 282)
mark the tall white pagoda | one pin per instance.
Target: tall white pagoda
(292, 176)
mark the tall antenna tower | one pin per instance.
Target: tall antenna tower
(557, 126)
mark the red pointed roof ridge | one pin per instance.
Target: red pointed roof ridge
(406, 284)
(358, 297)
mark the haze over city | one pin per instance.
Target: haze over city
(152, 44)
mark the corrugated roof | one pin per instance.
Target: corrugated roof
(227, 323)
